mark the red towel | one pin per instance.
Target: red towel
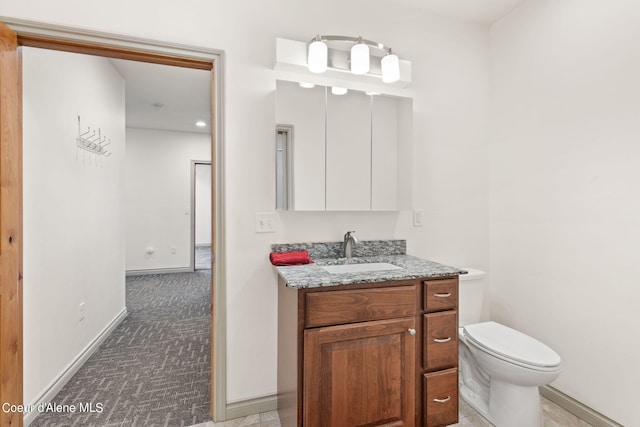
(290, 258)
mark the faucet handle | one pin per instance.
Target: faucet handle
(349, 235)
(349, 241)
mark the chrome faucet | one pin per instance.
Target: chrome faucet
(349, 241)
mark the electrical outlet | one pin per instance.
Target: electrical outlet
(266, 222)
(81, 311)
(417, 217)
(174, 250)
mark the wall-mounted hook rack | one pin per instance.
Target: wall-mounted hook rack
(92, 141)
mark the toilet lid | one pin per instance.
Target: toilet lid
(511, 344)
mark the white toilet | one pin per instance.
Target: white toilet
(500, 368)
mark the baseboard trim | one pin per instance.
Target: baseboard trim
(159, 271)
(577, 408)
(63, 378)
(256, 405)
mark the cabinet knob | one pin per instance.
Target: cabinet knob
(412, 331)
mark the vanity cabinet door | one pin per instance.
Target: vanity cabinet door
(440, 294)
(384, 153)
(441, 398)
(359, 305)
(348, 152)
(440, 340)
(304, 111)
(360, 374)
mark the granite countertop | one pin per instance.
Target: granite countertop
(312, 275)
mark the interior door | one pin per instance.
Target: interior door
(10, 227)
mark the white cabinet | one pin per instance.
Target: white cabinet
(349, 152)
(304, 110)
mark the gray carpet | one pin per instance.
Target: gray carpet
(154, 369)
(203, 258)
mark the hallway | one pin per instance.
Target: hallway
(154, 369)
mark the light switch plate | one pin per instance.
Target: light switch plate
(265, 222)
(417, 217)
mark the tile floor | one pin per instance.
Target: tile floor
(554, 416)
(265, 419)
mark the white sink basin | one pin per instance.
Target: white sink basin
(359, 268)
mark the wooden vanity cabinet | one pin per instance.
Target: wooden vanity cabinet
(354, 355)
(440, 352)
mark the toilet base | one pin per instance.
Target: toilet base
(513, 405)
(475, 400)
(473, 386)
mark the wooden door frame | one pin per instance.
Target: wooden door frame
(55, 37)
(11, 345)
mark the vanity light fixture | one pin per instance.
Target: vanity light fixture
(390, 68)
(360, 56)
(336, 90)
(306, 85)
(317, 55)
(201, 123)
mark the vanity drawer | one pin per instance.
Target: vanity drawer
(440, 340)
(441, 398)
(440, 294)
(359, 305)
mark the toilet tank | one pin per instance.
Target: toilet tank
(473, 305)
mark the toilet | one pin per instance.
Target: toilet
(500, 367)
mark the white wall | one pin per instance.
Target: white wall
(450, 178)
(158, 196)
(203, 202)
(564, 191)
(73, 219)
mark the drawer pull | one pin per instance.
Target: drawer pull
(442, 340)
(447, 295)
(445, 400)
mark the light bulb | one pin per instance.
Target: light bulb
(339, 90)
(317, 56)
(360, 58)
(390, 68)
(306, 85)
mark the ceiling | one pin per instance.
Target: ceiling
(174, 98)
(165, 97)
(482, 11)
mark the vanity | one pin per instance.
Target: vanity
(369, 340)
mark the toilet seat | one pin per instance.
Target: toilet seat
(512, 346)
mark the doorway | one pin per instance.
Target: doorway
(201, 208)
(38, 35)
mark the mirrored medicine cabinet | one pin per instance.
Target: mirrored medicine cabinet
(349, 152)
